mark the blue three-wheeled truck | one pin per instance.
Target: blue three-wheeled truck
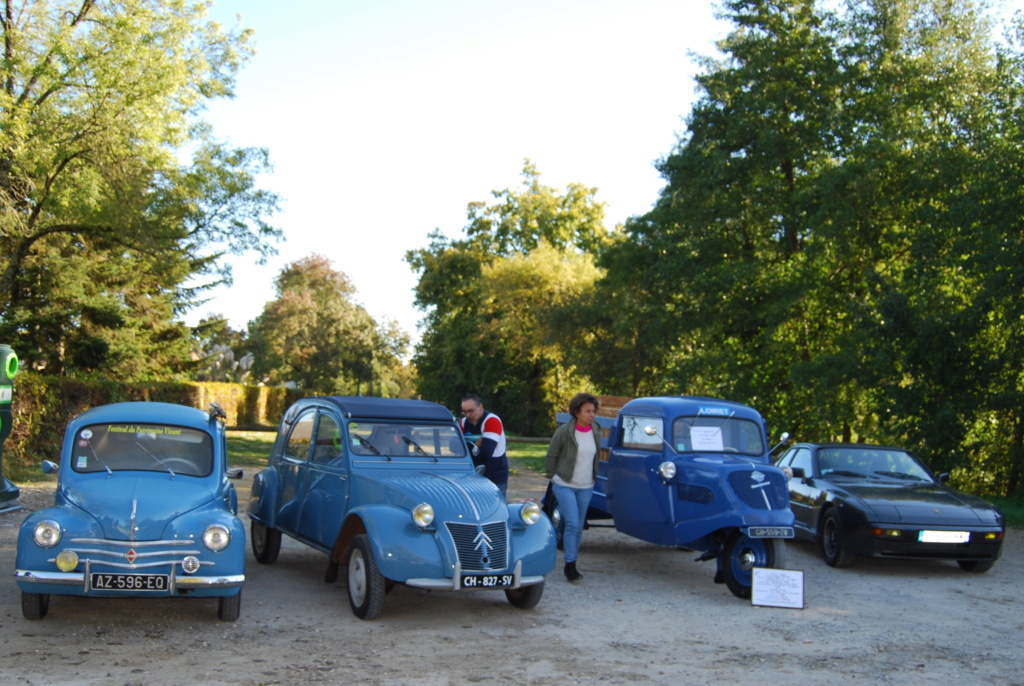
(694, 473)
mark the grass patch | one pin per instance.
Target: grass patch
(250, 448)
(528, 455)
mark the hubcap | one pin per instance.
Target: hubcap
(747, 560)
(357, 578)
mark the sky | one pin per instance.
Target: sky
(384, 119)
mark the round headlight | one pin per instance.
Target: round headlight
(667, 470)
(423, 515)
(216, 537)
(530, 514)
(190, 564)
(47, 533)
(67, 560)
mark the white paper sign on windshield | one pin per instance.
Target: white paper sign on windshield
(706, 438)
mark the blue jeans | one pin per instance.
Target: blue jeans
(572, 504)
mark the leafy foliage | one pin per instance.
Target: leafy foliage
(316, 336)
(113, 193)
(499, 302)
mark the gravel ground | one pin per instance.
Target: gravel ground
(643, 614)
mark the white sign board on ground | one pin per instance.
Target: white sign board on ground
(778, 588)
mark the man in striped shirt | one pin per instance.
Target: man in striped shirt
(486, 431)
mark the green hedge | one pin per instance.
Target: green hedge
(42, 407)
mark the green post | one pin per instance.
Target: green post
(8, 369)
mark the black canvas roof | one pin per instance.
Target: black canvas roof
(390, 408)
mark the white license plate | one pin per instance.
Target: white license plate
(488, 580)
(128, 582)
(770, 532)
(944, 536)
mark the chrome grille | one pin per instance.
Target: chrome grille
(480, 547)
(114, 554)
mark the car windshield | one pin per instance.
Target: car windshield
(393, 439)
(871, 463)
(714, 433)
(142, 447)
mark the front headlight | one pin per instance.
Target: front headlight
(667, 470)
(530, 514)
(47, 533)
(216, 537)
(423, 515)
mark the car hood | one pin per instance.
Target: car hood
(146, 503)
(923, 503)
(461, 495)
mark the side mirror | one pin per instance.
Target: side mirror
(799, 473)
(50, 467)
(473, 449)
(235, 473)
(943, 477)
(652, 430)
(784, 439)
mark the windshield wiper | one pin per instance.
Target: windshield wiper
(371, 447)
(901, 475)
(97, 456)
(155, 458)
(843, 472)
(416, 447)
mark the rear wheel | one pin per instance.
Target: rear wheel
(230, 607)
(365, 582)
(833, 546)
(266, 543)
(35, 605)
(976, 566)
(742, 554)
(527, 597)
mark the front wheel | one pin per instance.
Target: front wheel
(743, 553)
(266, 543)
(976, 566)
(365, 582)
(833, 547)
(35, 605)
(527, 597)
(230, 607)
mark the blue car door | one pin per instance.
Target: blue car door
(326, 498)
(637, 499)
(293, 469)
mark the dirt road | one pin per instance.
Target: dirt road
(642, 614)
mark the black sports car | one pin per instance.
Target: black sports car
(858, 499)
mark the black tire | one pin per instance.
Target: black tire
(230, 607)
(527, 597)
(365, 583)
(742, 554)
(266, 543)
(833, 547)
(976, 566)
(35, 605)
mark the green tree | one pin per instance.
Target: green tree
(113, 193)
(489, 299)
(315, 335)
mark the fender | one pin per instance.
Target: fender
(535, 545)
(401, 549)
(262, 508)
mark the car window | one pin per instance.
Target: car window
(300, 437)
(142, 447)
(801, 459)
(328, 439)
(642, 433)
(394, 439)
(716, 433)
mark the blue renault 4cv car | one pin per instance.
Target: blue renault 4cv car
(143, 509)
(694, 473)
(387, 488)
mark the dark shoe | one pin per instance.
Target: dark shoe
(719, 577)
(570, 572)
